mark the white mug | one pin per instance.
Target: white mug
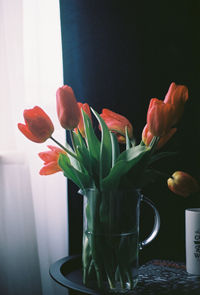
(192, 239)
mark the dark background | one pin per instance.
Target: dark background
(119, 55)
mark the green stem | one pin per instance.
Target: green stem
(130, 279)
(64, 148)
(110, 277)
(86, 258)
(99, 277)
(85, 276)
(91, 267)
(72, 139)
(109, 260)
(122, 277)
(117, 273)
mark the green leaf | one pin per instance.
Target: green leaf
(133, 152)
(142, 143)
(93, 146)
(78, 139)
(84, 158)
(126, 161)
(133, 142)
(80, 179)
(81, 152)
(93, 143)
(75, 163)
(73, 159)
(115, 148)
(106, 147)
(128, 143)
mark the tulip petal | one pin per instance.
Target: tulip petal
(117, 123)
(113, 124)
(168, 96)
(50, 159)
(50, 168)
(147, 137)
(36, 112)
(116, 117)
(176, 94)
(121, 138)
(164, 139)
(48, 156)
(56, 149)
(24, 129)
(160, 117)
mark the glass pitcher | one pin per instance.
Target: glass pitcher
(111, 239)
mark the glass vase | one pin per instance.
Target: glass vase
(111, 239)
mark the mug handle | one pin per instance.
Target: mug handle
(156, 226)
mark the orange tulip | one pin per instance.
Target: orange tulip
(86, 109)
(117, 123)
(50, 159)
(67, 108)
(38, 126)
(160, 117)
(147, 137)
(182, 184)
(177, 95)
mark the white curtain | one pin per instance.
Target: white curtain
(33, 208)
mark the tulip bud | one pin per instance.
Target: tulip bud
(182, 184)
(117, 124)
(67, 108)
(38, 126)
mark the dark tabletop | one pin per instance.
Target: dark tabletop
(156, 277)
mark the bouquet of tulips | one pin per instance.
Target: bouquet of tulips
(97, 162)
(91, 162)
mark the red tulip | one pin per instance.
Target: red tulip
(50, 159)
(160, 117)
(67, 108)
(86, 109)
(117, 124)
(147, 137)
(38, 126)
(177, 95)
(182, 184)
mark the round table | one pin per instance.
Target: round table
(156, 277)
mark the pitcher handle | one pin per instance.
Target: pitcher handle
(156, 226)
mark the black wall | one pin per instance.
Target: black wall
(120, 54)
